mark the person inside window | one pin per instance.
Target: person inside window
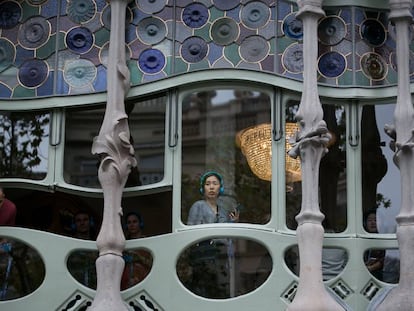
(374, 258)
(138, 262)
(208, 210)
(7, 210)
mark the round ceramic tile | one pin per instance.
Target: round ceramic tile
(331, 30)
(11, 12)
(194, 49)
(226, 4)
(7, 54)
(195, 15)
(151, 30)
(79, 40)
(151, 61)
(253, 49)
(255, 14)
(34, 32)
(332, 64)
(292, 27)
(374, 66)
(33, 73)
(373, 32)
(224, 31)
(80, 11)
(292, 58)
(151, 6)
(79, 72)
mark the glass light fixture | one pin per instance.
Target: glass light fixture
(255, 143)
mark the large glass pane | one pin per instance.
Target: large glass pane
(221, 131)
(80, 217)
(24, 141)
(381, 185)
(332, 172)
(22, 270)
(223, 268)
(147, 127)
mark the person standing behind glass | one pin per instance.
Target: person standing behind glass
(207, 210)
(138, 262)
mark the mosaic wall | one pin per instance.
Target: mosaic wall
(60, 47)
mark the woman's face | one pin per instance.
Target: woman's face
(372, 223)
(212, 187)
(133, 224)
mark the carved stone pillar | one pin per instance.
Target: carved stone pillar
(401, 297)
(116, 159)
(310, 144)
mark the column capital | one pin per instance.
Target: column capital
(310, 6)
(400, 9)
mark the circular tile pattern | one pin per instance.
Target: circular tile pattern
(374, 66)
(80, 11)
(255, 14)
(151, 61)
(33, 73)
(225, 31)
(151, 6)
(34, 32)
(79, 40)
(292, 27)
(292, 58)
(195, 15)
(253, 49)
(11, 13)
(373, 32)
(194, 49)
(332, 64)
(80, 72)
(226, 4)
(7, 54)
(331, 30)
(151, 30)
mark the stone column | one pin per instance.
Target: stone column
(310, 144)
(401, 297)
(116, 156)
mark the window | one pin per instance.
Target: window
(212, 122)
(147, 128)
(24, 141)
(332, 172)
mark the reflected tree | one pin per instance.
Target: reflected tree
(21, 135)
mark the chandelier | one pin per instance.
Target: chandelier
(255, 143)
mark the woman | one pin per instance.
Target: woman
(207, 210)
(138, 262)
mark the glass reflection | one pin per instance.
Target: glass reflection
(381, 182)
(81, 265)
(24, 140)
(138, 263)
(21, 269)
(147, 127)
(222, 268)
(383, 264)
(211, 122)
(332, 172)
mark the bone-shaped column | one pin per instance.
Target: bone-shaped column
(310, 144)
(116, 159)
(401, 297)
